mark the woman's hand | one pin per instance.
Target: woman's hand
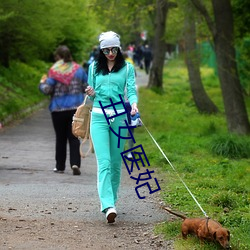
(90, 91)
(134, 109)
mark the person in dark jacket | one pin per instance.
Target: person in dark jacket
(147, 54)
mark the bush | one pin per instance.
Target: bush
(224, 200)
(19, 88)
(231, 146)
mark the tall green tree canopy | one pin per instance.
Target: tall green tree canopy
(126, 17)
(28, 33)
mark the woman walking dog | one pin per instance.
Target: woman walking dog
(108, 77)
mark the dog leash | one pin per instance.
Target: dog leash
(175, 170)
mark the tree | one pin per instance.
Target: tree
(241, 17)
(201, 99)
(28, 33)
(223, 38)
(159, 44)
(242, 33)
(127, 17)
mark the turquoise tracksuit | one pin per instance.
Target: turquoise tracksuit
(104, 140)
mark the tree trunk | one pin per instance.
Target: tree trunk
(159, 46)
(223, 38)
(235, 109)
(201, 99)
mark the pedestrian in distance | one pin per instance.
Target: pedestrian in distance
(65, 83)
(147, 54)
(138, 55)
(108, 77)
(92, 57)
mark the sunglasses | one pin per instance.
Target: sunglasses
(106, 51)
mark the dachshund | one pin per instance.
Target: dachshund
(204, 229)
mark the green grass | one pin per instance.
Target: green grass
(214, 164)
(19, 88)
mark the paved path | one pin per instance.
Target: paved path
(141, 78)
(30, 190)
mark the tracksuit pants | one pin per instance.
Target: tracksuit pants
(108, 156)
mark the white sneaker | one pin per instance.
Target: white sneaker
(111, 214)
(58, 171)
(129, 155)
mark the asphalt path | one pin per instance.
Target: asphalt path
(29, 188)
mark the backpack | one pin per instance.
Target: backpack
(81, 126)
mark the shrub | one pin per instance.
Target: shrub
(231, 146)
(223, 200)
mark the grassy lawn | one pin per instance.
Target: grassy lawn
(19, 88)
(214, 164)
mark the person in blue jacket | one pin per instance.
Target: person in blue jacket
(65, 83)
(108, 77)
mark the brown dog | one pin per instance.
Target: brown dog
(204, 229)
